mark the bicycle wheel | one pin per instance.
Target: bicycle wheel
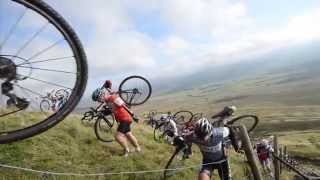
(197, 116)
(45, 105)
(250, 121)
(181, 117)
(87, 116)
(135, 90)
(35, 58)
(103, 128)
(175, 162)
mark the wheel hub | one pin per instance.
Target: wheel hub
(8, 69)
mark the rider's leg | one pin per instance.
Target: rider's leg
(206, 171)
(224, 170)
(133, 140)
(121, 137)
(124, 127)
(203, 176)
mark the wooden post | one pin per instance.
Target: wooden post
(250, 154)
(275, 161)
(282, 157)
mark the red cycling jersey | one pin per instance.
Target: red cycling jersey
(118, 109)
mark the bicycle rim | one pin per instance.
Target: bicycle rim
(66, 39)
(181, 117)
(250, 121)
(135, 90)
(175, 162)
(103, 129)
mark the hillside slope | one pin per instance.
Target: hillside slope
(72, 147)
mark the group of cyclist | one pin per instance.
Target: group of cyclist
(57, 100)
(211, 138)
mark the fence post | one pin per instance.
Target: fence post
(250, 154)
(282, 157)
(275, 161)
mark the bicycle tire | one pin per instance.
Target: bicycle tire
(45, 105)
(128, 99)
(249, 128)
(180, 119)
(168, 172)
(106, 127)
(197, 116)
(87, 116)
(47, 12)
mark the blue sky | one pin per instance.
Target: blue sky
(163, 38)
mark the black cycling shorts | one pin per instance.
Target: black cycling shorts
(223, 169)
(124, 127)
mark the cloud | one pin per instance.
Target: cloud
(200, 33)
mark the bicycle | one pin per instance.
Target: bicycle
(50, 101)
(27, 71)
(163, 129)
(250, 121)
(104, 123)
(182, 117)
(103, 113)
(176, 161)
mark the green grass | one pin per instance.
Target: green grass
(72, 147)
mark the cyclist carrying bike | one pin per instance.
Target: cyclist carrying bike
(121, 113)
(57, 101)
(264, 151)
(171, 126)
(210, 141)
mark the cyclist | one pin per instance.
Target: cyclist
(170, 125)
(121, 113)
(57, 100)
(264, 150)
(210, 141)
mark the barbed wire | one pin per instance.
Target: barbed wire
(108, 173)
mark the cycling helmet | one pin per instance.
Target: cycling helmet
(229, 110)
(203, 128)
(97, 94)
(107, 84)
(264, 142)
(163, 117)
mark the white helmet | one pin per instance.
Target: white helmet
(203, 128)
(163, 117)
(264, 142)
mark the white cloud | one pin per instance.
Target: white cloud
(200, 33)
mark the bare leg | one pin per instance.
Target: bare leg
(203, 176)
(133, 140)
(121, 139)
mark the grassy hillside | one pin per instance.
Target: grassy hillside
(72, 147)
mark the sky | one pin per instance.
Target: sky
(169, 38)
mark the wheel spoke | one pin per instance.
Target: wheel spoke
(46, 49)
(31, 39)
(46, 60)
(12, 29)
(127, 91)
(46, 82)
(52, 70)
(27, 89)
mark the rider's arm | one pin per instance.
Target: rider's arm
(174, 127)
(226, 132)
